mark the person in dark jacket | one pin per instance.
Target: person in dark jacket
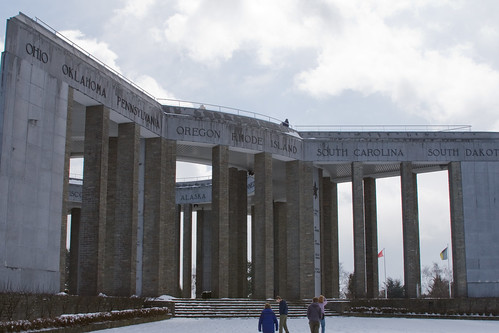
(267, 320)
(283, 314)
(314, 315)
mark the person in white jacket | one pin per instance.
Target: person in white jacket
(322, 304)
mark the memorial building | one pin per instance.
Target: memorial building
(57, 102)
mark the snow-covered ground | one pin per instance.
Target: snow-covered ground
(333, 324)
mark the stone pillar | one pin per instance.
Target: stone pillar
(108, 287)
(139, 261)
(242, 234)
(253, 255)
(73, 251)
(187, 252)
(233, 232)
(126, 211)
(280, 248)
(94, 197)
(294, 188)
(170, 258)
(457, 231)
(65, 185)
(264, 229)
(155, 214)
(329, 231)
(220, 211)
(359, 231)
(318, 221)
(307, 245)
(200, 250)
(410, 230)
(371, 223)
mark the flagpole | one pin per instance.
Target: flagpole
(384, 264)
(448, 269)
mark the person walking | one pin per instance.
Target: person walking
(322, 304)
(314, 315)
(283, 314)
(267, 320)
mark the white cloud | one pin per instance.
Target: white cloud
(104, 54)
(137, 8)
(152, 86)
(214, 33)
(372, 57)
(97, 49)
(407, 51)
(190, 171)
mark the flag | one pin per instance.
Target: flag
(443, 254)
(380, 254)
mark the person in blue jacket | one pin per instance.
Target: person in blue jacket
(267, 320)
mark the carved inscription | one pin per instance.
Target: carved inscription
(37, 53)
(137, 111)
(82, 80)
(325, 151)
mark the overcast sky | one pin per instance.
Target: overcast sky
(327, 62)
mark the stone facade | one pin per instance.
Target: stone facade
(58, 102)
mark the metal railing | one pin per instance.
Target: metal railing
(78, 178)
(193, 179)
(171, 101)
(219, 108)
(382, 128)
(88, 54)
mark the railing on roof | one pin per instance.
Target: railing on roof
(219, 108)
(171, 101)
(77, 178)
(382, 128)
(193, 179)
(88, 54)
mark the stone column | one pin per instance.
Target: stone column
(294, 188)
(371, 223)
(307, 245)
(220, 211)
(156, 210)
(169, 270)
(280, 248)
(108, 287)
(457, 231)
(94, 195)
(410, 230)
(126, 210)
(242, 234)
(187, 255)
(139, 261)
(359, 231)
(264, 229)
(200, 243)
(65, 185)
(330, 246)
(253, 253)
(233, 232)
(73, 250)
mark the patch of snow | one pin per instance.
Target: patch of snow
(163, 298)
(333, 324)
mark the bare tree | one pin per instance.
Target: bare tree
(436, 281)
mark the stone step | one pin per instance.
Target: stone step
(222, 308)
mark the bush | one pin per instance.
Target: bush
(79, 319)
